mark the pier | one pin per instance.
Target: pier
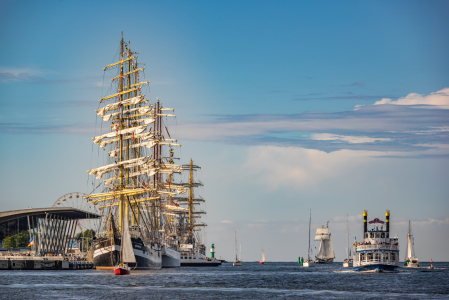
(42, 263)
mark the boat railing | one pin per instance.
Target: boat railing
(377, 247)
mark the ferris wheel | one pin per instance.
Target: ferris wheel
(76, 200)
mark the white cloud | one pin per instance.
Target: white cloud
(227, 222)
(295, 167)
(19, 74)
(439, 99)
(345, 138)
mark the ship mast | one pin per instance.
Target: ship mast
(135, 186)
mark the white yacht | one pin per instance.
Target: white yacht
(238, 260)
(410, 261)
(348, 261)
(309, 262)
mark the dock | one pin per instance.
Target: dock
(42, 263)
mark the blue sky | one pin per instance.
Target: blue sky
(287, 106)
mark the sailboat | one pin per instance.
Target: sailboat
(262, 261)
(136, 195)
(127, 253)
(326, 251)
(348, 261)
(238, 260)
(410, 260)
(309, 262)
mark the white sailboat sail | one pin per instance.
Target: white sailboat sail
(329, 248)
(326, 250)
(235, 247)
(321, 250)
(240, 258)
(322, 234)
(127, 252)
(263, 256)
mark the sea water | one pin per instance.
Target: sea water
(285, 280)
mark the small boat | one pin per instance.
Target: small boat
(127, 252)
(410, 261)
(378, 252)
(348, 261)
(238, 260)
(262, 261)
(309, 262)
(122, 269)
(431, 264)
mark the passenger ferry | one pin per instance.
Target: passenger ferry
(378, 251)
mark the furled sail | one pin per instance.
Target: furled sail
(141, 110)
(149, 144)
(137, 129)
(131, 101)
(104, 169)
(142, 136)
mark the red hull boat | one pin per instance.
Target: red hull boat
(121, 270)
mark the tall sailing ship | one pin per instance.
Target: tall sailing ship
(326, 251)
(136, 180)
(188, 225)
(410, 258)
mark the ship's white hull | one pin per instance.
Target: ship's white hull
(347, 264)
(170, 258)
(308, 264)
(237, 264)
(412, 264)
(197, 260)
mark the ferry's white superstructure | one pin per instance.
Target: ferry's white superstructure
(378, 251)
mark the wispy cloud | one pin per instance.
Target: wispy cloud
(358, 83)
(44, 128)
(19, 74)
(227, 222)
(348, 139)
(346, 96)
(369, 128)
(438, 99)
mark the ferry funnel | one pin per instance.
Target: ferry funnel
(387, 216)
(365, 223)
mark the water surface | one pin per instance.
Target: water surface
(251, 281)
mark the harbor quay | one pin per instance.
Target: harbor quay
(42, 263)
(44, 239)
